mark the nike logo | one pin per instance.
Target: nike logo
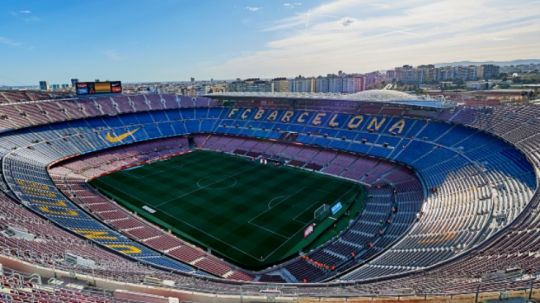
(120, 138)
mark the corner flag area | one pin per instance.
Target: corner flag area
(251, 214)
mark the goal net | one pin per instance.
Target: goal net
(321, 212)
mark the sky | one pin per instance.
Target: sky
(173, 40)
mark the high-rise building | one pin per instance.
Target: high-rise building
(321, 84)
(409, 75)
(335, 83)
(353, 83)
(489, 71)
(260, 86)
(301, 84)
(43, 85)
(237, 86)
(444, 73)
(464, 73)
(391, 75)
(280, 85)
(372, 80)
(250, 85)
(428, 72)
(74, 82)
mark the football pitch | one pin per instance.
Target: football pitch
(252, 215)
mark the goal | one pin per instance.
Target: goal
(321, 212)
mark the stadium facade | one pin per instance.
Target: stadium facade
(452, 205)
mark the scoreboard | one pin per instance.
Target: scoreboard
(92, 88)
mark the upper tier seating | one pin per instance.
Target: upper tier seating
(475, 180)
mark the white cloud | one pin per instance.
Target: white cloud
(323, 11)
(9, 42)
(21, 12)
(253, 8)
(499, 38)
(25, 15)
(365, 35)
(292, 4)
(347, 21)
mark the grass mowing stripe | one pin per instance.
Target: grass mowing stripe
(202, 186)
(251, 214)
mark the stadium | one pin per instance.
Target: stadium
(268, 197)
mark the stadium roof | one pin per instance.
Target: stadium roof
(375, 95)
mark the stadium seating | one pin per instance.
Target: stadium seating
(70, 178)
(18, 287)
(452, 192)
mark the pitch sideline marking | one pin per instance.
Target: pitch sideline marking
(277, 248)
(301, 213)
(276, 198)
(200, 188)
(210, 235)
(316, 203)
(158, 171)
(215, 188)
(196, 227)
(269, 230)
(264, 212)
(229, 244)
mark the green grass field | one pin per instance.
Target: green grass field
(250, 214)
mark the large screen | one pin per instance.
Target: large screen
(102, 87)
(91, 88)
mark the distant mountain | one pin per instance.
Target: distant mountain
(500, 63)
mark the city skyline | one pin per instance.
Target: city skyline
(177, 40)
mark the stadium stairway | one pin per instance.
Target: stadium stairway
(460, 179)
